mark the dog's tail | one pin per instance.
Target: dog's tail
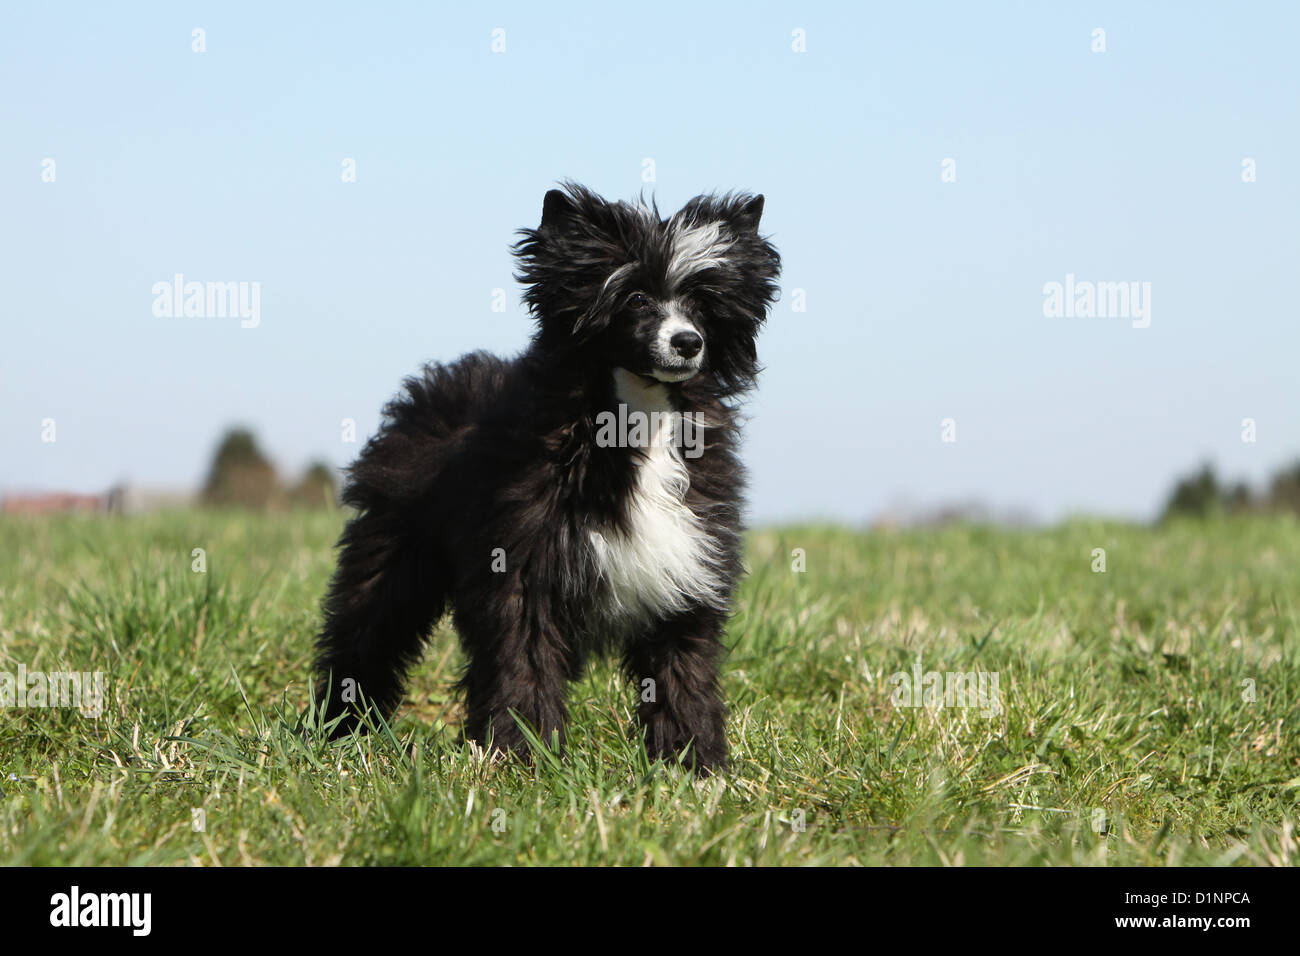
(383, 601)
(392, 583)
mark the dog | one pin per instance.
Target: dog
(583, 497)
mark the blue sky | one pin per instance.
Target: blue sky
(924, 298)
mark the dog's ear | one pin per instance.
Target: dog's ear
(745, 219)
(558, 211)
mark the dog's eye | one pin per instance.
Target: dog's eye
(637, 300)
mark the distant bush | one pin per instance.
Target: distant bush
(316, 489)
(241, 476)
(1201, 495)
(1198, 495)
(1284, 490)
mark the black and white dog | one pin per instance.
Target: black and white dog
(558, 502)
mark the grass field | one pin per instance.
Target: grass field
(1148, 714)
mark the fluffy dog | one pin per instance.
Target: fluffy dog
(584, 496)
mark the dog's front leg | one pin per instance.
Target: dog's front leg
(681, 712)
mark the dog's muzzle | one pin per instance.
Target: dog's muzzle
(678, 351)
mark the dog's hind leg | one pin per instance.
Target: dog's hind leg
(519, 667)
(386, 595)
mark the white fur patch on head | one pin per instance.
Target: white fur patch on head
(695, 248)
(666, 560)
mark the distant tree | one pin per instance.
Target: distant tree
(1284, 490)
(1195, 496)
(1201, 494)
(1239, 499)
(241, 476)
(316, 489)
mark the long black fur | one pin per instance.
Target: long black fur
(485, 454)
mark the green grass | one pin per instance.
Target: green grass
(1122, 693)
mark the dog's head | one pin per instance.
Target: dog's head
(670, 299)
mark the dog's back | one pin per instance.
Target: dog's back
(423, 428)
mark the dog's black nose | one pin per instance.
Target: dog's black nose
(686, 344)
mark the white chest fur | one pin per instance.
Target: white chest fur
(665, 560)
